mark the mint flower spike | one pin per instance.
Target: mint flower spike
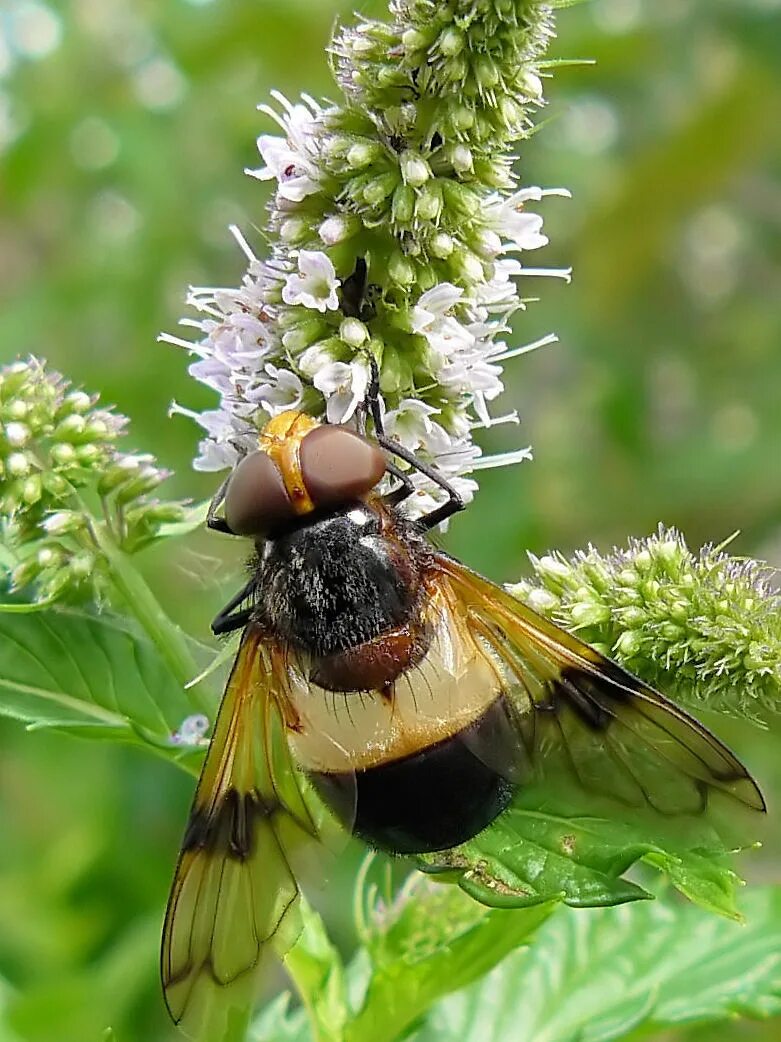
(704, 627)
(58, 453)
(398, 232)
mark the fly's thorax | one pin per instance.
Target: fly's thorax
(340, 578)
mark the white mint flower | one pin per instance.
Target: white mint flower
(410, 423)
(315, 284)
(283, 390)
(291, 159)
(314, 359)
(508, 218)
(433, 305)
(344, 385)
(361, 184)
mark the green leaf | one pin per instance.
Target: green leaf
(88, 675)
(438, 941)
(592, 976)
(558, 842)
(24, 607)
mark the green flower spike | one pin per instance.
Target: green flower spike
(58, 458)
(705, 627)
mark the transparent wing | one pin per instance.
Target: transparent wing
(234, 898)
(618, 736)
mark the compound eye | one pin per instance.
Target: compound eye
(256, 499)
(339, 465)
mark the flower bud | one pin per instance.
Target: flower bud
(542, 601)
(319, 355)
(643, 561)
(24, 574)
(337, 229)
(486, 73)
(144, 483)
(511, 114)
(63, 522)
(428, 205)
(17, 434)
(391, 76)
(552, 569)
(532, 84)
(63, 454)
(401, 270)
(31, 490)
(151, 515)
(305, 332)
(71, 427)
(403, 206)
(392, 372)
(441, 245)
(88, 454)
(455, 69)
(82, 565)
(461, 158)
(461, 200)
(49, 556)
(379, 188)
(628, 577)
(467, 266)
(353, 332)
(18, 465)
(451, 41)
(589, 614)
(488, 244)
(632, 617)
(294, 230)
(462, 118)
(15, 410)
(413, 40)
(361, 154)
(76, 401)
(414, 169)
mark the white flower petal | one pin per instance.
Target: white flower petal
(315, 284)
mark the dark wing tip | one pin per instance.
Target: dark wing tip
(603, 691)
(604, 698)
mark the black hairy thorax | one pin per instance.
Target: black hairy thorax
(340, 579)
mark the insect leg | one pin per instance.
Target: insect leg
(215, 523)
(372, 401)
(402, 491)
(229, 619)
(454, 502)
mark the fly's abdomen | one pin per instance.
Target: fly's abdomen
(432, 799)
(422, 758)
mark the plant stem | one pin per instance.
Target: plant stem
(167, 637)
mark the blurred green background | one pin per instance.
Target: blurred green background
(124, 129)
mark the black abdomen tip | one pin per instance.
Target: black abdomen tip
(434, 799)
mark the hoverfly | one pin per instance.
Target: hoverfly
(412, 694)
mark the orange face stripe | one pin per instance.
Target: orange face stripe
(281, 440)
